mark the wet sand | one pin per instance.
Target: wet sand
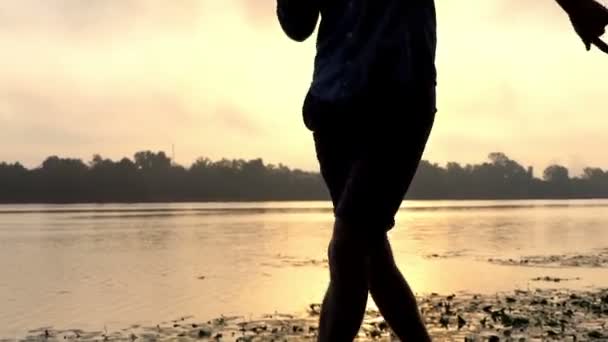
(535, 315)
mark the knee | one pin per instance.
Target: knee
(381, 257)
(347, 252)
(354, 243)
(379, 245)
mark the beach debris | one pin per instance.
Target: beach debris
(203, 333)
(446, 255)
(461, 322)
(291, 261)
(596, 334)
(445, 321)
(554, 279)
(314, 309)
(598, 259)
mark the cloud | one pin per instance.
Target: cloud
(113, 76)
(96, 19)
(260, 13)
(228, 118)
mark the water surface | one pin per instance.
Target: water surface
(96, 266)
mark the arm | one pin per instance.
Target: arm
(589, 19)
(298, 18)
(567, 5)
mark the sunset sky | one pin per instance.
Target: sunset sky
(218, 78)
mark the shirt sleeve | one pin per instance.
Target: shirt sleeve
(298, 18)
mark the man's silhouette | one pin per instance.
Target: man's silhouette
(371, 106)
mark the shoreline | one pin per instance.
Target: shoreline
(531, 315)
(283, 200)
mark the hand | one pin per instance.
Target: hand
(589, 19)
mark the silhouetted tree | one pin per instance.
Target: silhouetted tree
(558, 181)
(61, 180)
(14, 182)
(556, 174)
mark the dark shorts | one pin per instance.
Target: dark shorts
(369, 150)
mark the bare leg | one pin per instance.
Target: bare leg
(344, 305)
(393, 295)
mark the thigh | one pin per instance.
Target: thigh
(383, 169)
(369, 161)
(336, 153)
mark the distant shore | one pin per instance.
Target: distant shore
(154, 177)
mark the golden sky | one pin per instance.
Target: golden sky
(218, 78)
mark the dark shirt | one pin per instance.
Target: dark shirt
(362, 43)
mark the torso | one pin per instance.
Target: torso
(362, 43)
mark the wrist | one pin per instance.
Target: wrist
(568, 5)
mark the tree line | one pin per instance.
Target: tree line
(152, 177)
